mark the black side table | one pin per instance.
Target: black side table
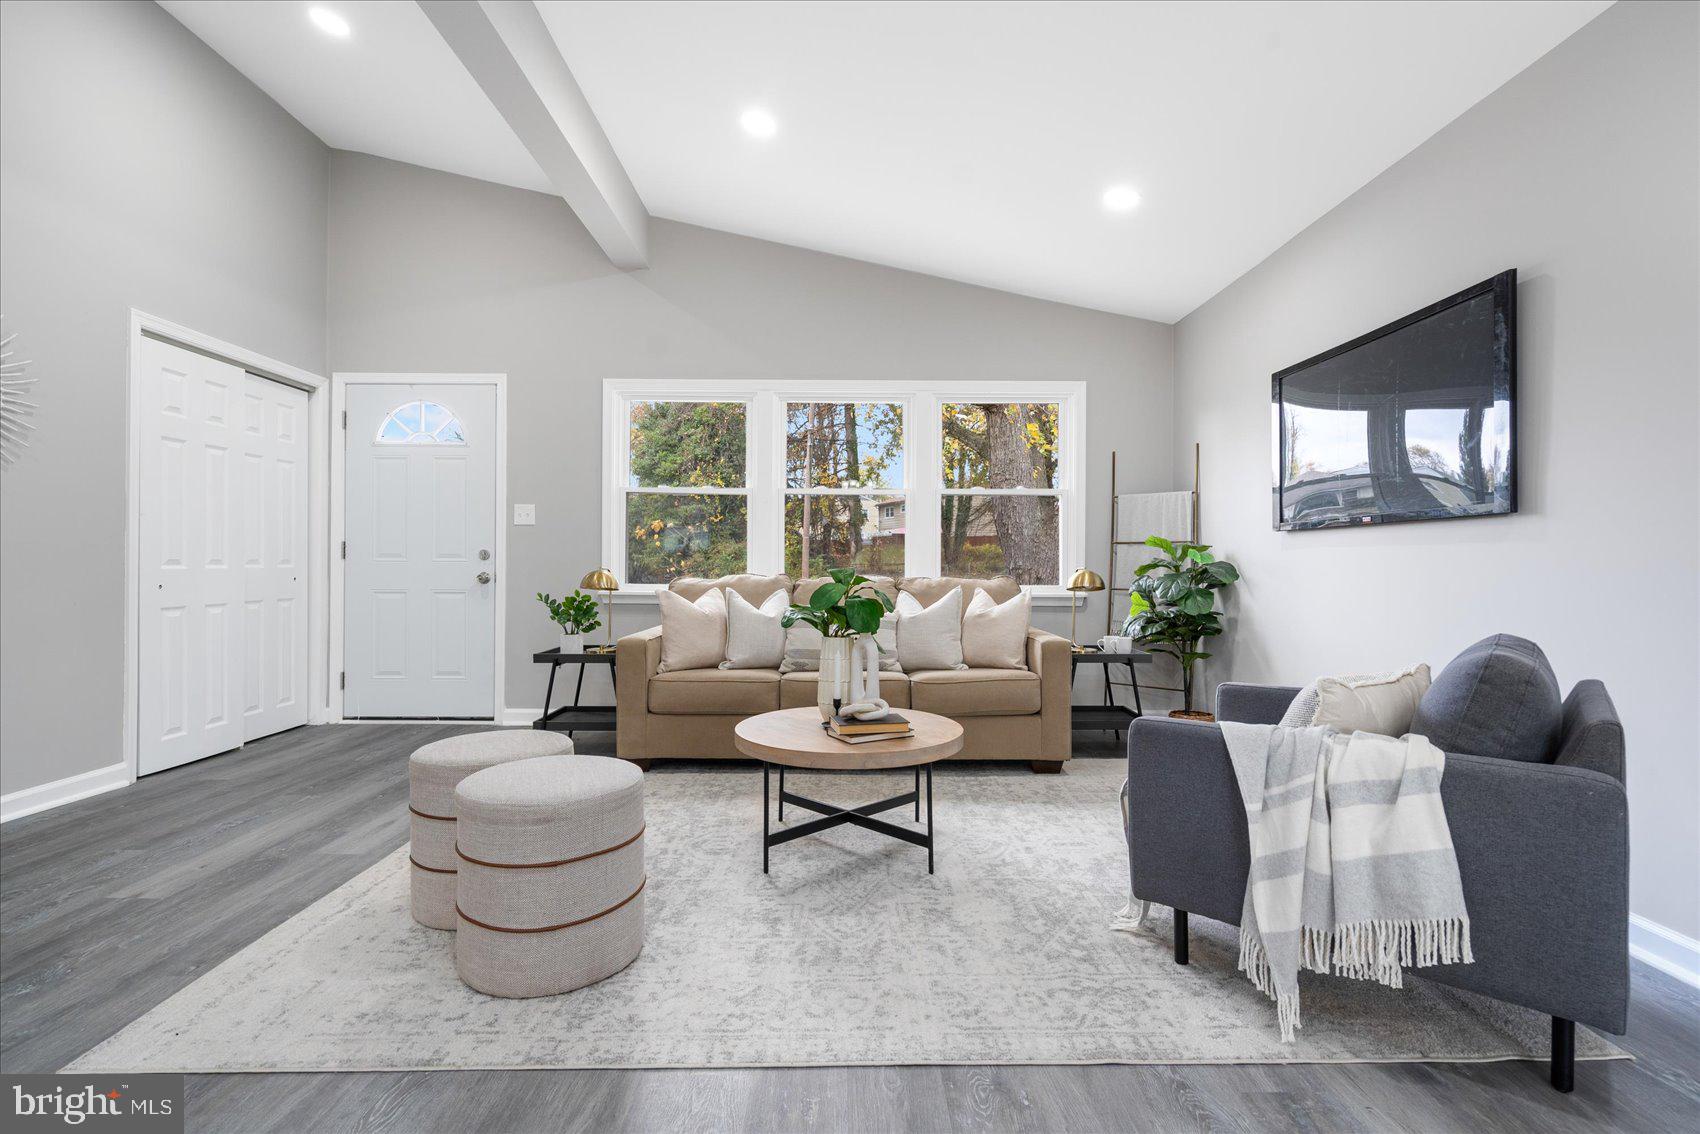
(1108, 717)
(586, 718)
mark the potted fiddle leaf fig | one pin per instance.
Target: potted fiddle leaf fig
(1173, 606)
(576, 615)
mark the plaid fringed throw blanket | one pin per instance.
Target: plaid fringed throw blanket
(1352, 867)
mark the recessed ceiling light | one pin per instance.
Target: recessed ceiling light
(328, 22)
(1121, 198)
(758, 123)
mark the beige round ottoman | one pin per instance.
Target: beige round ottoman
(550, 889)
(433, 772)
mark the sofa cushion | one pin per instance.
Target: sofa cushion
(693, 633)
(798, 689)
(1593, 735)
(1498, 698)
(715, 692)
(929, 590)
(754, 588)
(975, 692)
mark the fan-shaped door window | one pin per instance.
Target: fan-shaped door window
(421, 423)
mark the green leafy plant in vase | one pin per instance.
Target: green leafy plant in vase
(1172, 609)
(847, 610)
(576, 615)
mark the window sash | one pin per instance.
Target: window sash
(766, 402)
(903, 405)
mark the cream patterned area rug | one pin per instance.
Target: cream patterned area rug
(847, 953)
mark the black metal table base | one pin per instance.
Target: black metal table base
(832, 815)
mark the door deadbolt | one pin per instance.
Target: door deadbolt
(483, 553)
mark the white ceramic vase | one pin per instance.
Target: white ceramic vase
(572, 643)
(850, 675)
(833, 685)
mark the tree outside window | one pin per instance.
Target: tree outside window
(1000, 511)
(695, 519)
(844, 479)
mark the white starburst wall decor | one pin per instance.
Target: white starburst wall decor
(15, 410)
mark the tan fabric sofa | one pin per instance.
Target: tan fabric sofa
(1006, 714)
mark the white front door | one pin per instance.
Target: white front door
(274, 557)
(190, 646)
(420, 520)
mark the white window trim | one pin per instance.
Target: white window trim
(764, 464)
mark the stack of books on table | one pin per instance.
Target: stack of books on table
(892, 726)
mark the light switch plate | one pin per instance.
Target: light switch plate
(525, 514)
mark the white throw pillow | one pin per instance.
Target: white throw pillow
(754, 637)
(1360, 703)
(994, 634)
(1382, 705)
(693, 634)
(930, 637)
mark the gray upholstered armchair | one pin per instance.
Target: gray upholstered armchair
(1533, 790)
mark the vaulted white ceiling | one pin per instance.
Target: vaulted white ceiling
(967, 140)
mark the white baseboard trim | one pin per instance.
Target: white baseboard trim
(17, 804)
(517, 718)
(1665, 949)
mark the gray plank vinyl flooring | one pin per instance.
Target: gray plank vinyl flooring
(110, 905)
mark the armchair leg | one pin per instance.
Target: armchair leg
(1045, 767)
(1563, 1054)
(1181, 941)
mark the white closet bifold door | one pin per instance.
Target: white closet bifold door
(274, 557)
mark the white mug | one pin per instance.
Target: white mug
(1114, 644)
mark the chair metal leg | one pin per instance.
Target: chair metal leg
(1180, 937)
(1563, 1054)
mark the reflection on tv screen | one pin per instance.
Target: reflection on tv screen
(1413, 424)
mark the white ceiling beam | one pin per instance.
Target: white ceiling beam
(508, 50)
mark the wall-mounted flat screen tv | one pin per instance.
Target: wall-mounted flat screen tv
(1414, 421)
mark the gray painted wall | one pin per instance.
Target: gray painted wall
(140, 170)
(433, 272)
(1582, 174)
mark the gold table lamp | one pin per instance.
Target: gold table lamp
(603, 580)
(1082, 581)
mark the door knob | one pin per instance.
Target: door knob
(483, 576)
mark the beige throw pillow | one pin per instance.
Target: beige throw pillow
(1383, 705)
(693, 634)
(929, 637)
(994, 634)
(754, 637)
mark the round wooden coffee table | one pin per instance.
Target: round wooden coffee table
(794, 738)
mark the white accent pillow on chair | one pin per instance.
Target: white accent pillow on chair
(1382, 705)
(754, 637)
(693, 634)
(1355, 701)
(930, 637)
(994, 634)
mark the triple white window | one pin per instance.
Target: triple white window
(945, 478)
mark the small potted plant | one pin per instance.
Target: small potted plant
(1173, 607)
(575, 615)
(844, 609)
